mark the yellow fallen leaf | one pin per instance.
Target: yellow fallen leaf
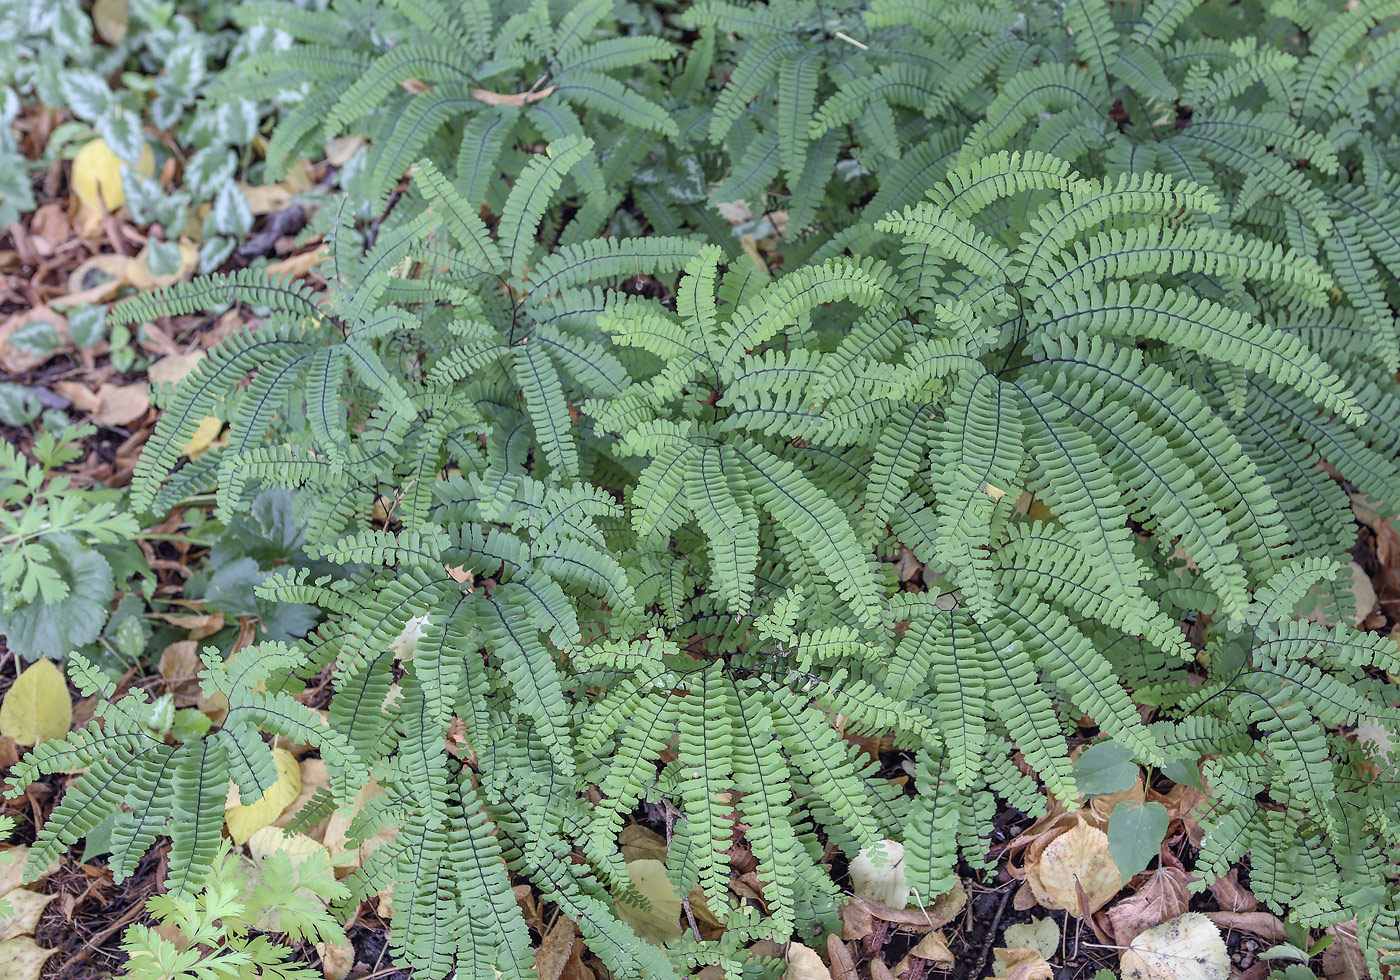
(97, 175)
(996, 493)
(244, 820)
(22, 958)
(37, 706)
(203, 438)
(138, 270)
(270, 840)
(314, 775)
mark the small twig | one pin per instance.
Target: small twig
(850, 40)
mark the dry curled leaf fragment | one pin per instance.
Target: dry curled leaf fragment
(37, 707)
(1188, 947)
(336, 961)
(1163, 895)
(516, 99)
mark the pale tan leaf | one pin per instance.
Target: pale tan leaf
(1076, 862)
(1020, 964)
(172, 368)
(337, 832)
(803, 963)
(22, 958)
(878, 873)
(1187, 947)
(110, 19)
(25, 908)
(516, 99)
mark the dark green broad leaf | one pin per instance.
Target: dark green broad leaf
(54, 629)
(269, 533)
(1135, 835)
(1105, 767)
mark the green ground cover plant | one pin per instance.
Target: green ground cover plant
(614, 499)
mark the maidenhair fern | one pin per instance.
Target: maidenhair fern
(1072, 302)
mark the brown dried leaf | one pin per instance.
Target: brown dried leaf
(1342, 960)
(336, 961)
(1265, 925)
(1232, 896)
(1162, 896)
(843, 964)
(556, 948)
(934, 947)
(179, 668)
(856, 921)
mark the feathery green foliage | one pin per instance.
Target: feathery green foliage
(640, 493)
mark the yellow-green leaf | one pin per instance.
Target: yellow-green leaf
(37, 708)
(97, 175)
(244, 820)
(661, 922)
